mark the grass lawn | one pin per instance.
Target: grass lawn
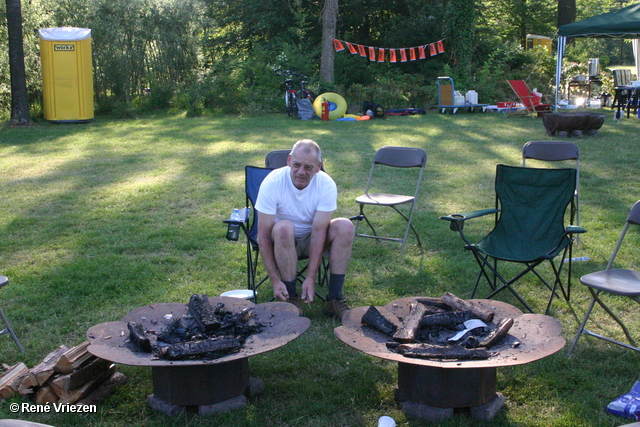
(98, 219)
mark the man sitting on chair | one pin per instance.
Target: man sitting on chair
(295, 204)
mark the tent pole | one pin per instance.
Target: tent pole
(560, 52)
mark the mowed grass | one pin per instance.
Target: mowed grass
(100, 218)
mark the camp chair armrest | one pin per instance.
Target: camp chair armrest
(460, 217)
(574, 229)
(233, 221)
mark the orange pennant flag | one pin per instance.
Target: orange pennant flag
(432, 49)
(392, 55)
(440, 47)
(380, 55)
(403, 55)
(372, 53)
(421, 52)
(352, 48)
(412, 54)
(337, 44)
(362, 51)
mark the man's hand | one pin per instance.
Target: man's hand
(308, 290)
(280, 291)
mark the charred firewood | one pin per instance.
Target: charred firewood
(407, 332)
(211, 346)
(461, 305)
(139, 337)
(376, 320)
(430, 351)
(203, 313)
(175, 332)
(434, 305)
(446, 318)
(497, 333)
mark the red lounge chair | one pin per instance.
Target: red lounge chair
(530, 101)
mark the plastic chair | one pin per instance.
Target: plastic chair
(253, 179)
(613, 281)
(556, 151)
(529, 228)
(385, 158)
(8, 329)
(530, 101)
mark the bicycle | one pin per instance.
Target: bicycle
(291, 95)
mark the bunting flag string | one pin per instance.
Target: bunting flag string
(404, 54)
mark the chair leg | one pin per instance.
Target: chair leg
(10, 331)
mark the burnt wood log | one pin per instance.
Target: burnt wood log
(139, 337)
(446, 318)
(376, 320)
(203, 313)
(497, 333)
(430, 351)
(461, 305)
(220, 345)
(410, 326)
(433, 304)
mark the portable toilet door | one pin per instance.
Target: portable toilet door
(67, 74)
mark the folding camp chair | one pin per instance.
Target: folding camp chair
(614, 281)
(386, 158)
(276, 159)
(529, 228)
(530, 101)
(7, 327)
(556, 151)
(253, 179)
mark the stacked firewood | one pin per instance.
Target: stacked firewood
(65, 376)
(430, 319)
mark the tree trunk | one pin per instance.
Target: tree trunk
(329, 20)
(566, 12)
(19, 100)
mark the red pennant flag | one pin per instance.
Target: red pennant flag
(392, 55)
(432, 49)
(372, 53)
(337, 44)
(403, 55)
(352, 48)
(421, 52)
(440, 47)
(412, 54)
(380, 55)
(362, 51)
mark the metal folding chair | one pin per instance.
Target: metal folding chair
(8, 329)
(388, 158)
(613, 281)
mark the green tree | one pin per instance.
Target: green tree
(19, 97)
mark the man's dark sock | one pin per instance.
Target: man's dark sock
(336, 281)
(291, 288)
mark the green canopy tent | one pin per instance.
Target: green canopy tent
(622, 23)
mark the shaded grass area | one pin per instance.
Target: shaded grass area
(101, 218)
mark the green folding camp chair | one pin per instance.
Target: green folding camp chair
(529, 228)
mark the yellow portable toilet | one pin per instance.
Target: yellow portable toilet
(67, 74)
(534, 41)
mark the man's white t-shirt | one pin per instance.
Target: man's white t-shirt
(278, 196)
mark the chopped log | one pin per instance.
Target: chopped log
(376, 320)
(104, 390)
(74, 396)
(73, 358)
(435, 304)
(39, 374)
(11, 380)
(139, 337)
(446, 318)
(188, 349)
(461, 305)
(46, 395)
(496, 334)
(203, 313)
(430, 351)
(92, 368)
(411, 324)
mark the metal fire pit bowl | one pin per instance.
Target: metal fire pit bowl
(215, 385)
(433, 389)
